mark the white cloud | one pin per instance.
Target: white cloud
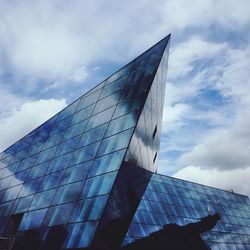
(236, 180)
(180, 14)
(184, 54)
(26, 118)
(173, 116)
(227, 149)
(51, 39)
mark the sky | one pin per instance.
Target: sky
(51, 52)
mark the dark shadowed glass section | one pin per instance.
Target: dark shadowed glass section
(124, 199)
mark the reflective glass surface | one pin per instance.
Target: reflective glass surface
(168, 200)
(61, 175)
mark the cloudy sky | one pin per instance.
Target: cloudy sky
(51, 52)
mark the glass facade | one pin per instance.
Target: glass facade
(169, 201)
(84, 178)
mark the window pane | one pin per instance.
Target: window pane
(38, 171)
(59, 163)
(85, 154)
(32, 219)
(67, 146)
(107, 102)
(53, 140)
(68, 193)
(75, 130)
(87, 100)
(5, 208)
(93, 135)
(43, 199)
(92, 208)
(22, 205)
(46, 155)
(122, 123)
(68, 110)
(82, 115)
(59, 214)
(115, 142)
(11, 193)
(113, 86)
(76, 173)
(30, 187)
(87, 234)
(61, 125)
(52, 180)
(107, 163)
(99, 185)
(100, 118)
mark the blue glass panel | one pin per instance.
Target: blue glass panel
(76, 173)
(53, 140)
(82, 115)
(5, 183)
(61, 125)
(46, 155)
(85, 154)
(11, 193)
(99, 185)
(67, 146)
(51, 180)
(10, 170)
(30, 187)
(59, 214)
(75, 130)
(149, 68)
(107, 163)
(17, 157)
(5, 208)
(68, 110)
(38, 171)
(5, 172)
(115, 142)
(93, 135)
(42, 200)
(113, 86)
(27, 163)
(87, 234)
(59, 163)
(20, 177)
(32, 219)
(22, 205)
(89, 99)
(76, 211)
(122, 123)
(139, 230)
(75, 232)
(92, 208)
(100, 118)
(68, 193)
(36, 148)
(107, 102)
(2, 193)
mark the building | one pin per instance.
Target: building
(86, 177)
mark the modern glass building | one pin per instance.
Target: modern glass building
(85, 179)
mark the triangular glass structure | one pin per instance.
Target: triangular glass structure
(63, 172)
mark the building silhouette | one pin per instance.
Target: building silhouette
(86, 178)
